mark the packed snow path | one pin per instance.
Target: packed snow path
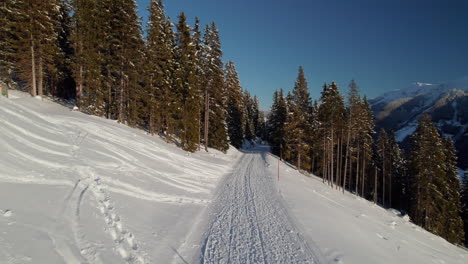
(249, 221)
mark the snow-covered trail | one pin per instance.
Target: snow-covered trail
(249, 222)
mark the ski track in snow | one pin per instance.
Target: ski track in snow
(250, 223)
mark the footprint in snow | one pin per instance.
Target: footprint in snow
(7, 213)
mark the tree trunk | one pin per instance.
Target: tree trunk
(121, 98)
(390, 184)
(357, 168)
(79, 83)
(332, 147)
(299, 161)
(207, 118)
(363, 182)
(375, 186)
(346, 158)
(383, 179)
(40, 79)
(33, 68)
(324, 160)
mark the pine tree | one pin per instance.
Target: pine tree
(354, 102)
(186, 82)
(36, 44)
(235, 105)
(276, 123)
(383, 154)
(215, 90)
(429, 171)
(8, 19)
(464, 205)
(249, 130)
(298, 127)
(452, 225)
(331, 116)
(160, 54)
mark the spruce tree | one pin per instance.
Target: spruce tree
(331, 114)
(298, 126)
(432, 173)
(160, 54)
(216, 93)
(276, 123)
(452, 225)
(186, 82)
(8, 19)
(464, 205)
(234, 106)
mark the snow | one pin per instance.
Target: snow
(422, 88)
(406, 131)
(349, 229)
(82, 189)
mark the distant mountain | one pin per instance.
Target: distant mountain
(446, 102)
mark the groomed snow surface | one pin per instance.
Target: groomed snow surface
(82, 189)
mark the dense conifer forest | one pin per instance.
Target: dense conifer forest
(171, 81)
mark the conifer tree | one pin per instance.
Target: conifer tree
(432, 180)
(464, 205)
(452, 225)
(186, 82)
(276, 123)
(8, 19)
(215, 90)
(298, 127)
(160, 54)
(36, 42)
(235, 106)
(331, 116)
(352, 110)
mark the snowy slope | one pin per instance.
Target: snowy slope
(81, 189)
(348, 229)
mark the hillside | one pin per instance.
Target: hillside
(82, 189)
(446, 102)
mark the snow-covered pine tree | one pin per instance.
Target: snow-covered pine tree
(427, 167)
(365, 137)
(384, 162)
(61, 79)
(331, 116)
(452, 225)
(186, 83)
(276, 123)
(215, 90)
(36, 42)
(464, 205)
(159, 62)
(235, 105)
(298, 127)
(354, 101)
(400, 182)
(249, 130)
(8, 20)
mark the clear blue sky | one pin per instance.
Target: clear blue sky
(382, 44)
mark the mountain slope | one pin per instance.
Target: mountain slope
(82, 189)
(447, 103)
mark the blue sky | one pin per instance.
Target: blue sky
(382, 44)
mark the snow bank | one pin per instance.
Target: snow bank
(348, 229)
